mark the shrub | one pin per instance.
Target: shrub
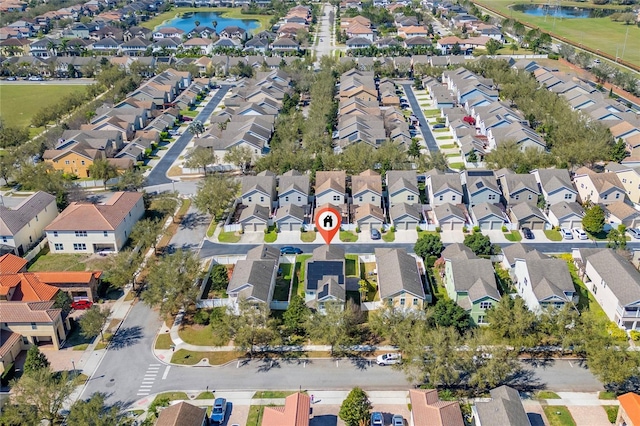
(158, 402)
(201, 317)
(616, 332)
(392, 229)
(357, 230)
(504, 228)
(438, 229)
(635, 335)
(553, 56)
(476, 229)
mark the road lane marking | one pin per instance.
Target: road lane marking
(166, 372)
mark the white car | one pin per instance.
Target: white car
(566, 234)
(580, 234)
(389, 359)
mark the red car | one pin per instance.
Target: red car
(81, 304)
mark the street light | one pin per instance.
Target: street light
(73, 364)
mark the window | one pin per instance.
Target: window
(373, 198)
(82, 162)
(58, 246)
(36, 218)
(402, 302)
(79, 246)
(594, 289)
(81, 233)
(299, 199)
(411, 197)
(517, 197)
(492, 196)
(360, 199)
(415, 301)
(34, 326)
(336, 198)
(617, 195)
(582, 185)
(261, 199)
(55, 233)
(105, 233)
(249, 199)
(481, 319)
(485, 305)
(4, 239)
(66, 162)
(567, 196)
(530, 196)
(389, 301)
(441, 197)
(286, 198)
(624, 181)
(453, 198)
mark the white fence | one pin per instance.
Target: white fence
(278, 305)
(236, 227)
(230, 259)
(214, 303)
(36, 250)
(370, 306)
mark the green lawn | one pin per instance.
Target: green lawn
(190, 113)
(308, 237)
(547, 395)
(299, 274)
(607, 395)
(612, 412)
(434, 111)
(272, 394)
(514, 236)
(389, 237)
(448, 146)
(443, 138)
(206, 395)
(348, 237)
(597, 33)
(352, 265)
(212, 228)
(164, 341)
(558, 415)
(458, 165)
(172, 396)
(255, 415)
(228, 237)
(553, 235)
(271, 236)
(59, 262)
(586, 300)
(185, 357)
(281, 291)
(226, 12)
(453, 154)
(18, 103)
(440, 130)
(203, 336)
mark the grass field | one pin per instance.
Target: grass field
(225, 12)
(558, 415)
(597, 33)
(18, 102)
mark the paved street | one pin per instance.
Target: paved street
(324, 46)
(429, 140)
(158, 175)
(191, 231)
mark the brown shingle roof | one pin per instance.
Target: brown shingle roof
(181, 414)
(428, 410)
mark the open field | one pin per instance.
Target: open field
(226, 12)
(19, 102)
(596, 33)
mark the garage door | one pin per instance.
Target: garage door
(570, 224)
(457, 226)
(364, 226)
(491, 225)
(537, 224)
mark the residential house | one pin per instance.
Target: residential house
(470, 282)
(405, 216)
(629, 177)
(290, 217)
(368, 216)
(285, 44)
(555, 185)
(519, 251)
(488, 216)
(598, 188)
(518, 188)
(621, 213)
(504, 408)
(526, 215)
(259, 189)
(331, 187)
(74, 160)
(254, 278)
(481, 188)
(201, 46)
(91, 228)
(30, 323)
(234, 32)
(182, 414)
(366, 188)
(566, 215)
(402, 187)
(296, 412)
(254, 217)
(428, 410)
(614, 283)
(629, 411)
(443, 188)
(544, 283)
(400, 282)
(293, 188)
(325, 279)
(167, 32)
(23, 226)
(450, 217)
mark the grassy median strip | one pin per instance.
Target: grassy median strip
(185, 357)
(164, 341)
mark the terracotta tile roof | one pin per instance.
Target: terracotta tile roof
(294, 413)
(10, 263)
(181, 414)
(96, 217)
(67, 277)
(28, 288)
(41, 312)
(630, 402)
(428, 410)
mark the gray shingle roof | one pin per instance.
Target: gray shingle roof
(13, 220)
(442, 182)
(266, 184)
(564, 209)
(621, 277)
(293, 180)
(457, 251)
(264, 252)
(520, 251)
(330, 287)
(523, 211)
(398, 179)
(290, 210)
(446, 210)
(550, 277)
(397, 271)
(553, 179)
(475, 276)
(328, 252)
(505, 408)
(252, 279)
(398, 210)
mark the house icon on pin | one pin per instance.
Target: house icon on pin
(327, 222)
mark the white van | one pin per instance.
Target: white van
(389, 359)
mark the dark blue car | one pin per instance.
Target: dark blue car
(290, 250)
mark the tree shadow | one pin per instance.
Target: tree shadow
(126, 337)
(360, 360)
(324, 420)
(539, 359)
(193, 220)
(525, 381)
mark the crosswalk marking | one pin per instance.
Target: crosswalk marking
(149, 379)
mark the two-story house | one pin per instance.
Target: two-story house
(259, 190)
(325, 279)
(443, 188)
(598, 188)
(481, 187)
(629, 177)
(555, 185)
(517, 188)
(402, 187)
(400, 283)
(293, 188)
(23, 226)
(92, 228)
(470, 281)
(613, 282)
(366, 188)
(330, 188)
(544, 283)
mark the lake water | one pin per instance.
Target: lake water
(561, 11)
(206, 18)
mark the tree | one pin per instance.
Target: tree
(593, 220)
(93, 321)
(215, 194)
(12, 135)
(240, 156)
(103, 169)
(493, 46)
(513, 47)
(130, 180)
(618, 151)
(199, 158)
(447, 313)
(37, 397)
(617, 238)
(435, 160)
(252, 326)
(296, 316)
(395, 324)
(356, 408)
(145, 232)
(121, 268)
(414, 149)
(428, 245)
(473, 157)
(171, 283)
(455, 49)
(479, 244)
(63, 301)
(196, 128)
(93, 412)
(7, 165)
(219, 277)
(35, 360)
(335, 326)
(510, 321)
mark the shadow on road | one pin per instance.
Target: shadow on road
(193, 220)
(126, 337)
(525, 381)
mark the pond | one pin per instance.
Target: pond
(188, 22)
(561, 11)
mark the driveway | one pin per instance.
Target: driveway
(429, 140)
(158, 175)
(588, 415)
(191, 231)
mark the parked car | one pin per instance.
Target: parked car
(81, 304)
(439, 126)
(219, 410)
(566, 234)
(35, 78)
(290, 250)
(377, 419)
(389, 359)
(580, 234)
(186, 118)
(397, 420)
(527, 233)
(12, 78)
(375, 234)
(635, 233)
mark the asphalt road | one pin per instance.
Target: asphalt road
(429, 140)
(158, 175)
(324, 46)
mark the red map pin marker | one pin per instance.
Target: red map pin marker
(328, 222)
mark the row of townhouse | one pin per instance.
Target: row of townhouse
(126, 132)
(248, 118)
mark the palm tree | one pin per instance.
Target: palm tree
(103, 169)
(64, 47)
(51, 47)
(196, 128)
(514, 47)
